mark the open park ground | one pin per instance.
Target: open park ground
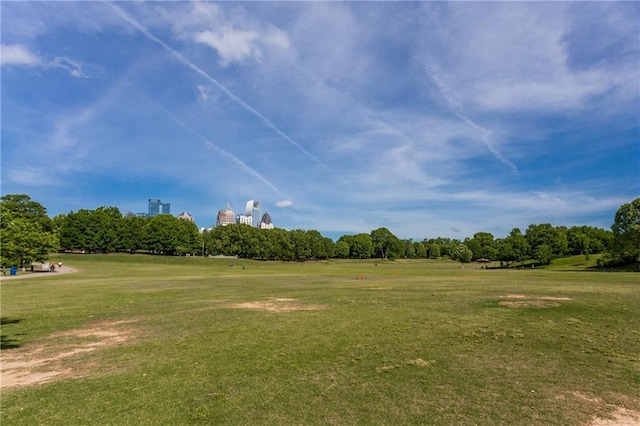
(136, 339)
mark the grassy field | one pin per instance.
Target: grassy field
(162, 340)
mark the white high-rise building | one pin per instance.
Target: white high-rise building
(253, 210)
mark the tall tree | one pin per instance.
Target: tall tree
(24, 241)
(626, 231)
(25, 231)
(519, 246)
(545, 234)
(384, 242)
(105, 229)
(419, 249)
(163, 234)
(361, 247)
(462, 254)
(132, 233)
(21, 206)
(342, 249)
(301, 244)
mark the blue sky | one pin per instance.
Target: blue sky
(428, 118)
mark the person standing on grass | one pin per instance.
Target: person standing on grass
(59, 265)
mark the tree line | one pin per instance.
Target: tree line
(29, 235)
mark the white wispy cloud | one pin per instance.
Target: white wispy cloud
(284, 203)
(517, 57)
(266, 121)
(440, 116)
(20, 55)
(17, 54)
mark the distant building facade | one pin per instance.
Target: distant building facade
(156, 207)
(186, 216)
(226, 216)
(253, 210)
(244, 220)
(250, 216)
(265, 222)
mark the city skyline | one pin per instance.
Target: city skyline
(427, 118)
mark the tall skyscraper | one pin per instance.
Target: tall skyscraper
(253, 210)
(154, 206)
(157, 207)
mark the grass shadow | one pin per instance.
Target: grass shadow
(7, 342)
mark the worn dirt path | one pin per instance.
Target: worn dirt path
(64, 270)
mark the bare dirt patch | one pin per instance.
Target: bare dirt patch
(419, 362)
(529, 304)
(278, 305)
(52, 359)
(63, 270)
(523, 301)
(620, 413)
(621, 417)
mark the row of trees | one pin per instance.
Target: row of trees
(106, 230)
(541, 242)
(28, 234)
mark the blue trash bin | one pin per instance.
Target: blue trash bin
(14, 270)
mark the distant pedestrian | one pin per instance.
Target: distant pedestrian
(52, 267)
(59, 265)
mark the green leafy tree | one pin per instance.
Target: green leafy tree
(301, 242)
(433, 250)
(385, 244)
(262, 247)
(419, 249)
(578, 241)
(316, 243)
(25, 231)
(545, 234)
(132, 233)
(21, 206)
(281, 243)
(409, 249)
(329, 247)
(626, 231)
(104, 223)
(505, 251)
(163, 234)
(361, 247)
(544, 254)
(587, 240)
(520, 248)
(475, 247)
(75, 231)
(342, 249)
(189, 237)
(483, 246)
(462, 254)
(24, 241)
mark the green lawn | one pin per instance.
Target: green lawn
(164, 340)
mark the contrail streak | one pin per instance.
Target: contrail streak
(219, 85)
(212, 146)
(449, 96)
